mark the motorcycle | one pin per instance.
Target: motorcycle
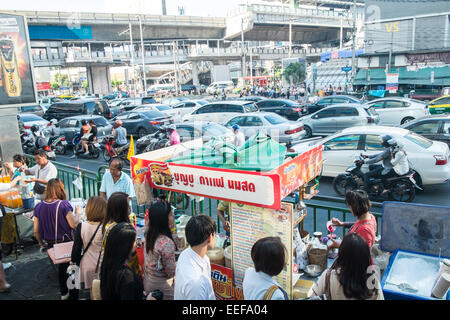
(401, 188)
(59, 144)
(93, 149)
(158, 140)
(29, 145)
(108, 150)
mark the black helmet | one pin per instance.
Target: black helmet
(385, 140)
(34, 128)
(84, 122)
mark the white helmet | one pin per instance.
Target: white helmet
(53, 121)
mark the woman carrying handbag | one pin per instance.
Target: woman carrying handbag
(54, 222)
(88, 241)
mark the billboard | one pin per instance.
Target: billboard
(17, 86)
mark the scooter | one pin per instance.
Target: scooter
(159, 139)
(93, 149)
(109, 152)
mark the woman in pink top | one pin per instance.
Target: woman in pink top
(159, 251)
(174, 136)
(366, 224)
(88, 238)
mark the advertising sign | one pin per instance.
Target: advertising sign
(16, 66)
(222, 281)
(392, 82)
(249, 224)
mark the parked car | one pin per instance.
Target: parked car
(228, 86)
(30, 119)
(329, 100)
(272, 124)
(173, 100)
(185, 107)
(189, 87)
(440, 105)
(158, 107)
(220, 111)
(434, 127)
(190, 131)
(429, 159)
(34, 109)
(252, 98)
(137, 101)
(70, 126)
(338, 117)
(142, 123)
(284, 107)
(394, 111)
(64, 109)
(46, 102)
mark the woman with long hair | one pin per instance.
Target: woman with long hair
(159, 251)
(88, 239)
(117, 280)
(54, 208)
(352, 276)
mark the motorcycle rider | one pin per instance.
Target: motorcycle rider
(85, 134)
(224, 94)
(53, 130)
(174, 136)
(39, 140)
(92, 137)
(120, 136)
(392, 156)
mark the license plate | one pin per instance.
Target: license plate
(97, 145)
(63, 143)
(51, 154)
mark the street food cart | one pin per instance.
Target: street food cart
(254, 178)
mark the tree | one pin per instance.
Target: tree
(62, 80)
(54, 85)
(295, 72)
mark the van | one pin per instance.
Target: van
(64, 109)
(219, 85)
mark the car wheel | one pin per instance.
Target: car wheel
(308, 132)
(142, 132)
(407, 119)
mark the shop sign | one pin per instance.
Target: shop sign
(222, 281)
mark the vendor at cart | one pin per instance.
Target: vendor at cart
(43, 171)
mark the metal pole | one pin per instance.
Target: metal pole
(251, 69)
(353, 41)
(244, 71)
(390, 53)
(341, 34)
(290, 37)
(143, 56)
(132, 60)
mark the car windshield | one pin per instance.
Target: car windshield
(275, 118)
(202, 102)
(30, 117)
(417, 101)
(101, 122)
(163, 107)
(419, 140)
(250, 107)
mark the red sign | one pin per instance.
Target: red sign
(42, 86)
(222, 281)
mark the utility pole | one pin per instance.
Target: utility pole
(353, 40)
(290, 37)
(163, 4)
(244, 70)
(175, 64)
(143, 56)
(132, 59)
(390, 53)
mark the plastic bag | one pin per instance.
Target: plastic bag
(78, 182)
(300, 250)
(143, 190)
(380, 258)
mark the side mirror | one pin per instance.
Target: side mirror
(315, 117)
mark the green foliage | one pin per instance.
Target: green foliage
(295, 72)
(116, 83)
(54, 85)
(84, 84)
(62, 80)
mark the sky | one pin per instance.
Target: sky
(212, 8)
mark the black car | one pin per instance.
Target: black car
(64, 109)
(328, 101)
(286, 108)
(434, 127)
(143, 122)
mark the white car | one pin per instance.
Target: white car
(184, 107)
(221, 111)
(219, 85)
(394, 111)
(165, 108)
(430, 159)
(276, 126)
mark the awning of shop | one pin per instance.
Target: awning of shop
(423, 76)
(377, 76)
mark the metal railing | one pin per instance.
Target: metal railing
(91, 182)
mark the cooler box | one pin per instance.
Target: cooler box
(417, 235)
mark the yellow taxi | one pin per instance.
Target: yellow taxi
(440, 105)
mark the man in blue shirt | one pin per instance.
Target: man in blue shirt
(115, 180)
(120, 134)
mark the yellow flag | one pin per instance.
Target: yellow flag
(131, 149)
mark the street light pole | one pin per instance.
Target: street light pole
(143, 56)
(290, 37)
(244, 71)
(132, 59)
(353, 41)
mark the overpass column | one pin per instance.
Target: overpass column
(195, 81)
(99, 80)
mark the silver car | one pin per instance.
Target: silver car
(30, 119)
(278, 127)
(337, 117)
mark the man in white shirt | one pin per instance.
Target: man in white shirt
(239, 138)
(193, 272)
(43, 171)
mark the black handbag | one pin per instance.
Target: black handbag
(38, 188)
